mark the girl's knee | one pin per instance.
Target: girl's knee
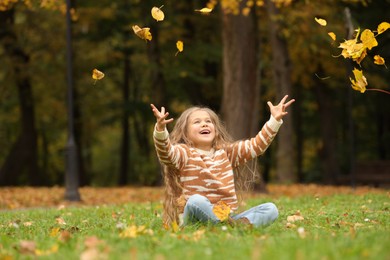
(272, 210)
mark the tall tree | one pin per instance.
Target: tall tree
(241, 91)
(22, 160)
(285, 162)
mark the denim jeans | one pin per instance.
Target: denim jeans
(199, 208)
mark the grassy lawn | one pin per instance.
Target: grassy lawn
(343, 226)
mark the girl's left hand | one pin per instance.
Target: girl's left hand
(279, 111)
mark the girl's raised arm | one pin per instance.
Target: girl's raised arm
(161, 118)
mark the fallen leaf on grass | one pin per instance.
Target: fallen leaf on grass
(296, 217)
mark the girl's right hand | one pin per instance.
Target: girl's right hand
(161, 118)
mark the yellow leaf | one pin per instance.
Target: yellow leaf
(320, 21)
(97, 74)
(379, 60)
(50, 251)
(382, 27)
(180, 47)
(54, 232)
(143, 33)
(221, 210)
(368, 39)
(157, 14)
(332, 35)
(175, 226)
(204, 10)
(360, 82)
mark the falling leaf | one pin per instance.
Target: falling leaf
(143, 33)
(332, 35)
(179, 46)
(296, 217)
(382, 27)
(368, 39)
(204, 10)
(320, 21)
(157, 14)
(221, 210)
(97, 75)
(175, 226)
(379, 60)
(360, 82)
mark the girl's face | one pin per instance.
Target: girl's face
(201, 130)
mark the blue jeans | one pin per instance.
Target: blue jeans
(199, 208)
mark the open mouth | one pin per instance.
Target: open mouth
(205, 132)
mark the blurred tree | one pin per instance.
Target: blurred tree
(22, 158)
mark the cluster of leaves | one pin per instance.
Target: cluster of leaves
(356, 49)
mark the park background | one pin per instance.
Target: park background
(235, 59)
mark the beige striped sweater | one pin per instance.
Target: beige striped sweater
(210, 173)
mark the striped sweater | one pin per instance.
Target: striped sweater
(210, 173)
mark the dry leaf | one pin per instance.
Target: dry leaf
(157, 14)
(320, 21)
(360, 82)
(179, 46)
(60, 221)
(27, 247)
(379, 60)
(221, 210)
(332, 35)
(296, 217)
(368, 39)
(97, 75)
(204, 10)
(382, 27)
(143, 33)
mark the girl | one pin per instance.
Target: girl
(199, 158)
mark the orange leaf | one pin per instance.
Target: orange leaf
(296, 217)
(221, 210)
(379, 60)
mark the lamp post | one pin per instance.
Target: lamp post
(71, 173)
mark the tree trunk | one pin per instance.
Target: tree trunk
(241, 91)
(328, 152)
(21, 166)
(124, 167)
(241, 82)
(285, 157)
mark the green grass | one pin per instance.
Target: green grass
(335, 227)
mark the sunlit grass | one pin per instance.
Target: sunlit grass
(345, 226)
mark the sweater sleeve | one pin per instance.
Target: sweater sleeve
(245, 150)
(168, 154)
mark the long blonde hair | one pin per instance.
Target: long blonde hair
(178, 135)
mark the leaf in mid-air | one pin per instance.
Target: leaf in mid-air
(97, 75)
(368, 39)
(379, 60)
(332, 35)
(204, 10)
(320, 21)
(382, 27)
(143, 33)
(179, 46)
(360, 81)
(157, 14)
